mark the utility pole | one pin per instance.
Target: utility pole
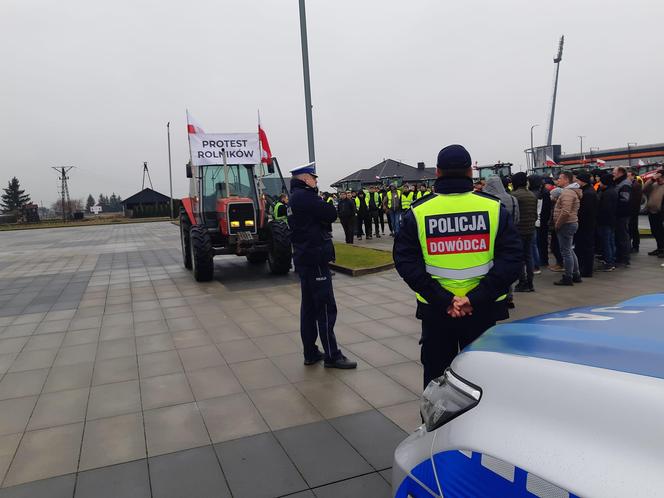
(146, 172)
(532, 147)
(629, 152)
(170, 172)
(556, 61)
(307, 82)
(64, 189)
(581, 137)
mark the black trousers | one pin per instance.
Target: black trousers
(443, 337)
(381, 218)
(584, 247)
(374, 217)
(657, 229)
(634, 231)
(348, 224)
(527, 269)
(623, 244)
(363, 220)
(318, 311)
(543, 244)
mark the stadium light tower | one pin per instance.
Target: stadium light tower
(556, 61)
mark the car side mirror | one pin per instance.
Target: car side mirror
(189, 173)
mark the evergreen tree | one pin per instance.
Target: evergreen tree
(113, 203)
(14, 198)
(89, 203)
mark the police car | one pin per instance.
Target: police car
(560, 405)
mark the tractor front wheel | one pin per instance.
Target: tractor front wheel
(185, 226)
(280, 253)
(201, 253)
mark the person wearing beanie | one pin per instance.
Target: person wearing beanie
(606, 221)
(459, 251)
(584, 238)
(526, 228)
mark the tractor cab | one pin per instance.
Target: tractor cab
(547, 171)
(388, 181)
(228, 211)
(502, 170)
(352, 185)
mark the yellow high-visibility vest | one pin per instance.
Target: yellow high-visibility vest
(457, 234)
(407, 199)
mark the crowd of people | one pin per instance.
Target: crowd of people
(364, 213)
(586, 221)
(575, 224)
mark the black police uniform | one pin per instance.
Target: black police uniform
(310, 221)
(443, 336)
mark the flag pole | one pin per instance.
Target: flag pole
(170, 169)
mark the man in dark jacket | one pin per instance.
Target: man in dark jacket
(584, 238)
(346, 209)
(452, 320)
(544, 225)
(606, 221)
(526, 228)
(362, 215)
(311, 225)
(374, 206)
(635, 197)
(623, 213)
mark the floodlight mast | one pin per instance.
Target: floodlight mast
(556, 61)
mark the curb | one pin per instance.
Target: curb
(358, 272)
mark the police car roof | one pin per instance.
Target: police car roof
(627, 337)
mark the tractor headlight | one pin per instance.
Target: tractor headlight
(447, 397)
(249, 223)
(235, 224)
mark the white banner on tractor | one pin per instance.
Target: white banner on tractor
(241, 148)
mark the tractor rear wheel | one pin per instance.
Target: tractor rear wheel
(257, 258)
(185, 226)
(280, 253)
(201, 253)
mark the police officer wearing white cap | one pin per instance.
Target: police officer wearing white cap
(310, 219)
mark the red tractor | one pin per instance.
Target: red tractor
(228, 211)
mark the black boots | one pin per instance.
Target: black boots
(565, 280)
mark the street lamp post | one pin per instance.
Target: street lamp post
(307, 82)
(581, 137)
(532, 147)
(629, 152)
(170, 174)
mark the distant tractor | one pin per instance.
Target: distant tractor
(228, 212)
(503, 170)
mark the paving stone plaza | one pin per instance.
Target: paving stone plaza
(120, 376)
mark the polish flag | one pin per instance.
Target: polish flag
(193, 126)
(266, 153)
(550, 162)
(601, 162)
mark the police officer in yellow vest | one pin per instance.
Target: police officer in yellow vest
(459, 251)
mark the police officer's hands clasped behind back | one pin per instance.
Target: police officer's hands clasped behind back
(459, 251)
(310, 219)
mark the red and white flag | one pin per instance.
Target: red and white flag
(266, 153)
(550, 162)
(601, 162)
(193, 126)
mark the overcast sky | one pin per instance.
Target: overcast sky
(93, 83)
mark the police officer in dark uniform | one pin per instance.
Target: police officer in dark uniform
(310, 219)
(459, 251)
